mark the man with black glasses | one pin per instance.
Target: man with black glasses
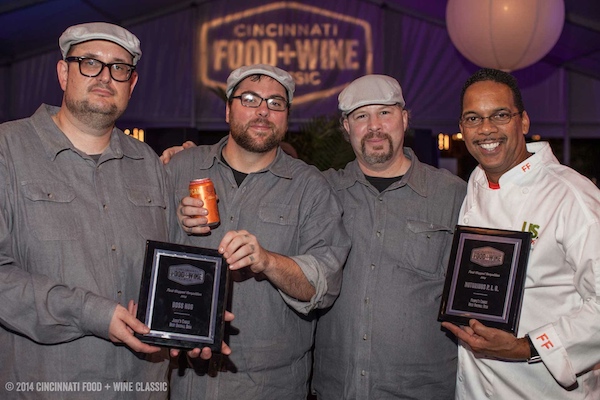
(282, 234)
(78, 200)
(521, 186)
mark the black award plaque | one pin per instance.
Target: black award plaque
(182, 296)
(486, 277)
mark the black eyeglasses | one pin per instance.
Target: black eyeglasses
(498, 118)
(252, 100)
(91, 68)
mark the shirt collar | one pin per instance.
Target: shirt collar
(281, 165)
(542, 154)
(55, 141)
(415, 177)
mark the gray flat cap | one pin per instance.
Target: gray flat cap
(100, 31)
(369, 90)
(278, 74)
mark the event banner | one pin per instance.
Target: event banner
(486, 277)
(324, 46)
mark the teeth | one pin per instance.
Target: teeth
(489, 146)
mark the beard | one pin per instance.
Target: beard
(377, 156)
(270, 140)
(94, 115)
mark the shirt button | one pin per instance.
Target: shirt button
(372, 266)
(367, 300)
(104, 206)
(365, 336)
(231, 218)
(363, 372)
(466, 220)
(378, 234)
(525, 190)
(113, 247)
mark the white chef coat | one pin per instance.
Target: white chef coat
(561, 306)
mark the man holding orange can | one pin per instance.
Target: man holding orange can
(280, 231)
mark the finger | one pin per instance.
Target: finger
(174, 353)
(195, 353)
(478, 328)
(206, 353)
(188, 144)
(136, 345)
(239, 245)
(166, 156)
(458, 332)
(132, 307)
(468, 330)
(229, 316)
(225, 349)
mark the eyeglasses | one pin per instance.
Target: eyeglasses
(252, 100)
(91, 68)
(497, 118)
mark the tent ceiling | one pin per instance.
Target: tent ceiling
(28, 27)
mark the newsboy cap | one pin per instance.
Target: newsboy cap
(278, 74)
(369, 90)
(100, 31)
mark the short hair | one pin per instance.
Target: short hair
(495, 75)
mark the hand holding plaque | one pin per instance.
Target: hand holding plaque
(182, 296)
(486, 277)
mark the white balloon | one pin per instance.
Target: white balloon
(504, 34)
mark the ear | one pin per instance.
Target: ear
(346, 125)
(525, 123)
(405, 119)
(132, 82)
(227, 111)
(62, 72)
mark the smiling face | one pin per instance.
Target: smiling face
(100, 100)
(497, 148)
(376, 133)
(257, 130)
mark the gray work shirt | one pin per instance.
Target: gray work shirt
(292, 210)
(72, 240)
(381, 339)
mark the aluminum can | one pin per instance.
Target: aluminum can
(204, 190)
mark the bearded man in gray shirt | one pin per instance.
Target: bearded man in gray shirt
(79, 199)
(281, 233)
(381, 338)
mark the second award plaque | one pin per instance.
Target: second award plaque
(182, 296)
(486, 277)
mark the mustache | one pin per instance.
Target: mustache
(262, 121)
(103, 87)
(378, 135)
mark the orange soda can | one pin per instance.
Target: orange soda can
(204, 190)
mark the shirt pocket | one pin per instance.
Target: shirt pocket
(278, 226)
(50, 212)
(149, 209)
(426, 247)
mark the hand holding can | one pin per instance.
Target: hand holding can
(204, 190)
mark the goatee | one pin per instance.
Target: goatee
(377, 157)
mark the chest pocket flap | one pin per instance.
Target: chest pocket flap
(281, 214)
(57, 192)
(146, 197)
